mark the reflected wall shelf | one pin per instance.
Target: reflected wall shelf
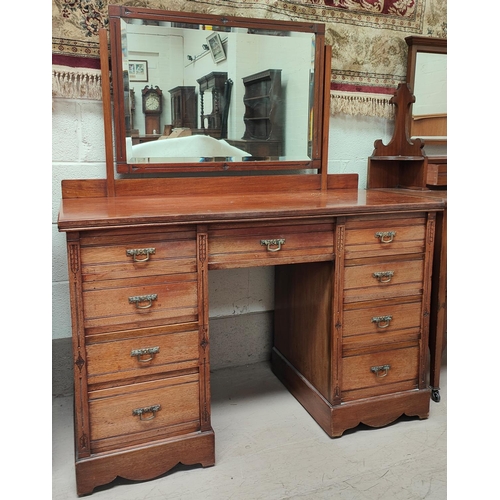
(263, 114)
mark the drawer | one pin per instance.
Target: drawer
(375, 236)
(145, 355)
(141, 302)
(383, 279)
(243, 245)
(382, 319)
(128, 255)
(437, 172)
(380, 373)
(143, 412)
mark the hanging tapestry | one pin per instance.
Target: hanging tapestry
(367, 37)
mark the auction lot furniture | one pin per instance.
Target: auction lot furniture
(352, 287)
(351, 321)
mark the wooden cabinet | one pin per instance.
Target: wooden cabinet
(183, 107)
(263, 115)
(385, 292)
(214, 84)
(369, 354)
(352, 298)
(140, 373)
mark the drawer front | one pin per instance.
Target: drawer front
(144, 411)
(383, 279)
(372, 237)
(388, 317)
(146, 355)
(146, 301)
(246, 245)
(123, 256)
(376, 373)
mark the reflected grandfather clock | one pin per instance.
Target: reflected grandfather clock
(152, 107)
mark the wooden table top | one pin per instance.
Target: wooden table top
(101, 212)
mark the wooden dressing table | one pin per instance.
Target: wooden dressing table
(351, 320)
(352, 301)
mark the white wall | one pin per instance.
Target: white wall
(241, 301)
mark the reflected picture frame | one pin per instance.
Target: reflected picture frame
(138, 71)
(216, 47)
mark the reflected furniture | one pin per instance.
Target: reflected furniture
(132, 111)
(211, 123)
(183, 107)
(352, 298)
(152, 106)
(263, 114)
(141, 139)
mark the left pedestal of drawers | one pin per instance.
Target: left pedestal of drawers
(140, 352)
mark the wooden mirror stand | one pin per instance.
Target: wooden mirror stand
(403, 162)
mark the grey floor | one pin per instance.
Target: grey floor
(268, 447)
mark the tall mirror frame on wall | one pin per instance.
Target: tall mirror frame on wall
(427, 77)
(205, 93)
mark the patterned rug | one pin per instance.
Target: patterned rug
(367, 38)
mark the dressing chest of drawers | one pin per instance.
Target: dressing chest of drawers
(353, 271)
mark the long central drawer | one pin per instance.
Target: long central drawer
(272, 243)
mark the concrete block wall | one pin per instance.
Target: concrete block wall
(241, 300)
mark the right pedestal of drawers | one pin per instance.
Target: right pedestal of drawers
(351, 337)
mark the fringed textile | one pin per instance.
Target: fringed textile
(367, 36)
(76, 83)
(356, 103)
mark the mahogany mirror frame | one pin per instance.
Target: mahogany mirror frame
(421, 44)
(319, 134)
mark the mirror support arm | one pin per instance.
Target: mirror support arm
(106, 104)
(326, 116)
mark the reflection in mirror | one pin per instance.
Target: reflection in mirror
(429, 112)
(228, 94)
